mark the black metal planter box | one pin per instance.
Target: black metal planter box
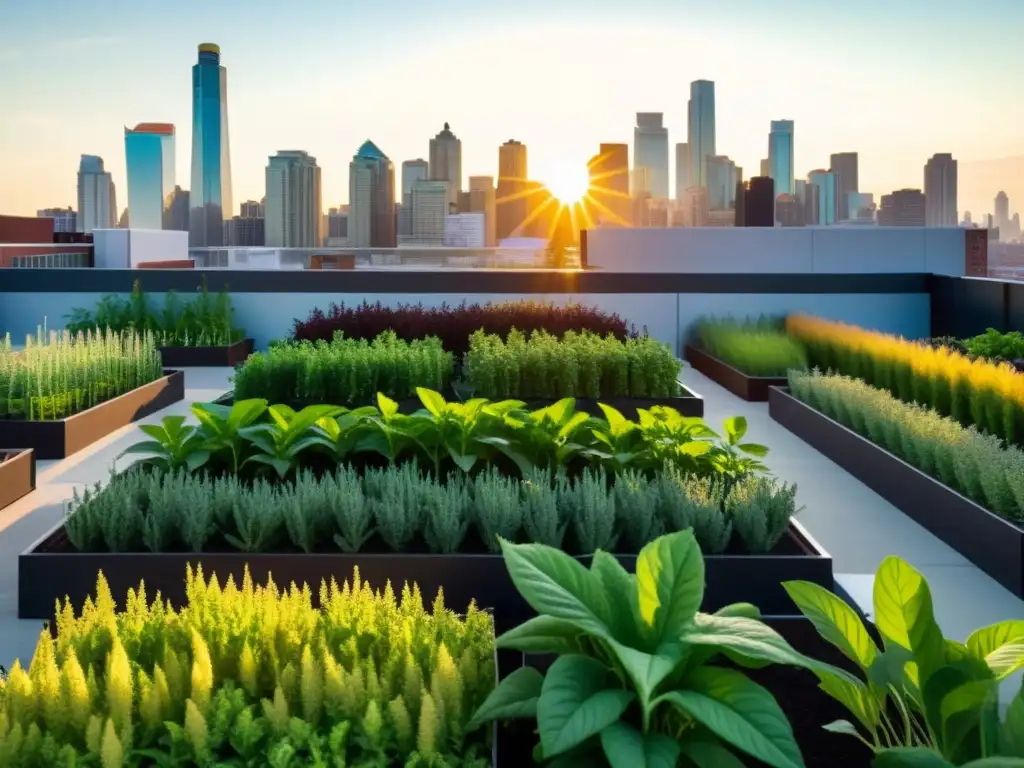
(48, 571)
(993, 544)
(754, 389)
(59, 439)
(17, 475)
(207, 357)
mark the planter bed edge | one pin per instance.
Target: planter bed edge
(17, 475)
(46, 576)
(993, 544)
(753, 389)
(60, 438)
(207, 357)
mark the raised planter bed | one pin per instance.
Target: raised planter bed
(17, 475)
(59, 439)
(754, 389)
(993, 544)
(207, 357)
(49, 570)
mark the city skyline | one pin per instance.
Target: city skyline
(535, 102)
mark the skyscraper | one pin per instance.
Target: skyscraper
(446, 162)
(940, 184)
(294, 208)
(903, 208)
(412, 171)
(149, 155)
(481, 199)
(607, 201)
(513, 186)
(845, 166)
(650, 150)
(371, 195)
(721, 183)
(824, 183)
(97, 200)
(210, 197)
(1002, 210)
(759, 202)
(430, 206)
(780, 156)
(64, 219)
(701, 126)
(682, 170)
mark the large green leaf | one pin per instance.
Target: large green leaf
(735, 429)
(996, 762)
(576, 703)
(835, 621)
(541, 634)
(1013, 726)
(854, 695)
(432, 401)
(620, 586)
(707, 752)
(910, 757)
(741, 713)
(626, 747)
(648, 670)
(670, 583)
(1000, 645)
(558, 585)
(245, 412)
(904, 616)
(515, 697)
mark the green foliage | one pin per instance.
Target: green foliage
(635, 682)
(344, 371)
(253, 676)
(580, 364)
(993, 345)
(198, 322)
(402, 509)
(977, 465)
(923, 700)
(756, 347)
(58, 375)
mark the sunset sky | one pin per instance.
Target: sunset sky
(896, 81)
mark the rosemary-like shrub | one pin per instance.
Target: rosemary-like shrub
(59, 374)
(252, 675)
(344, 371)
(580, 364)
(401, 509)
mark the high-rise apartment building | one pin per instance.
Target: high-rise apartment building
(481, 199)
(446, 162)
(766, 167)
(682, 170)
(64, 219)
(607, 202)
(721, 183)
(465, 230)
(903, 208)
(97, 199)
(845, 165)
(650, 150)
(701, 127)
(210, 197)
(178, 215)
(780, 156)
(825, 206)
(513, 188)
(150, 164)
(371, 196)
(695, 209)
(294, 206)
(1002, 210)
(412, 171)
(247, 232)
(251, 209)
(430, 208)
(940, 190)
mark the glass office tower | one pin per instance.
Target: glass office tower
(825, 185)
(149, 152)
(701, 125)
(210, 196)
(780, 156)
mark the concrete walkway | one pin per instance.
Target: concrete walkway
(855, 525)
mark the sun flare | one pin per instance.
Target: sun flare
(569, 185)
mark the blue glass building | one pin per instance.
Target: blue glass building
(149, 155)
(780, 156)
(210, 196)
(825, 187)
(701, 127)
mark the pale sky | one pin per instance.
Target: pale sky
(895, 80)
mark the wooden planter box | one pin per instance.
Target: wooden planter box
(49, 570)
(17, 475)
(754, 389)
(59, 439)
(992, 543)
(207, 357)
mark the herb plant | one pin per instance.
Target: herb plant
(253, 676)
(924, 700)
(993, 345)
(58, 375)
(202, 321)
(635, 681)
(454, 325)
(756, 347)
(581, 364)
(344, 371)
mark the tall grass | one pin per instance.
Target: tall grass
(756, 347)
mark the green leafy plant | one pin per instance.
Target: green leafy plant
(280, 442)
(758, 347)
(173, 445)
(223, 426)
(924, 700)
(994, 345)
(634, 682)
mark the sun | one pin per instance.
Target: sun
(569, 184)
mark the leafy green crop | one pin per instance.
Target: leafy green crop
(755, 347)
(635, 682)
(580, 364)
(344, 371)
(253, 676)
(997, 346)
